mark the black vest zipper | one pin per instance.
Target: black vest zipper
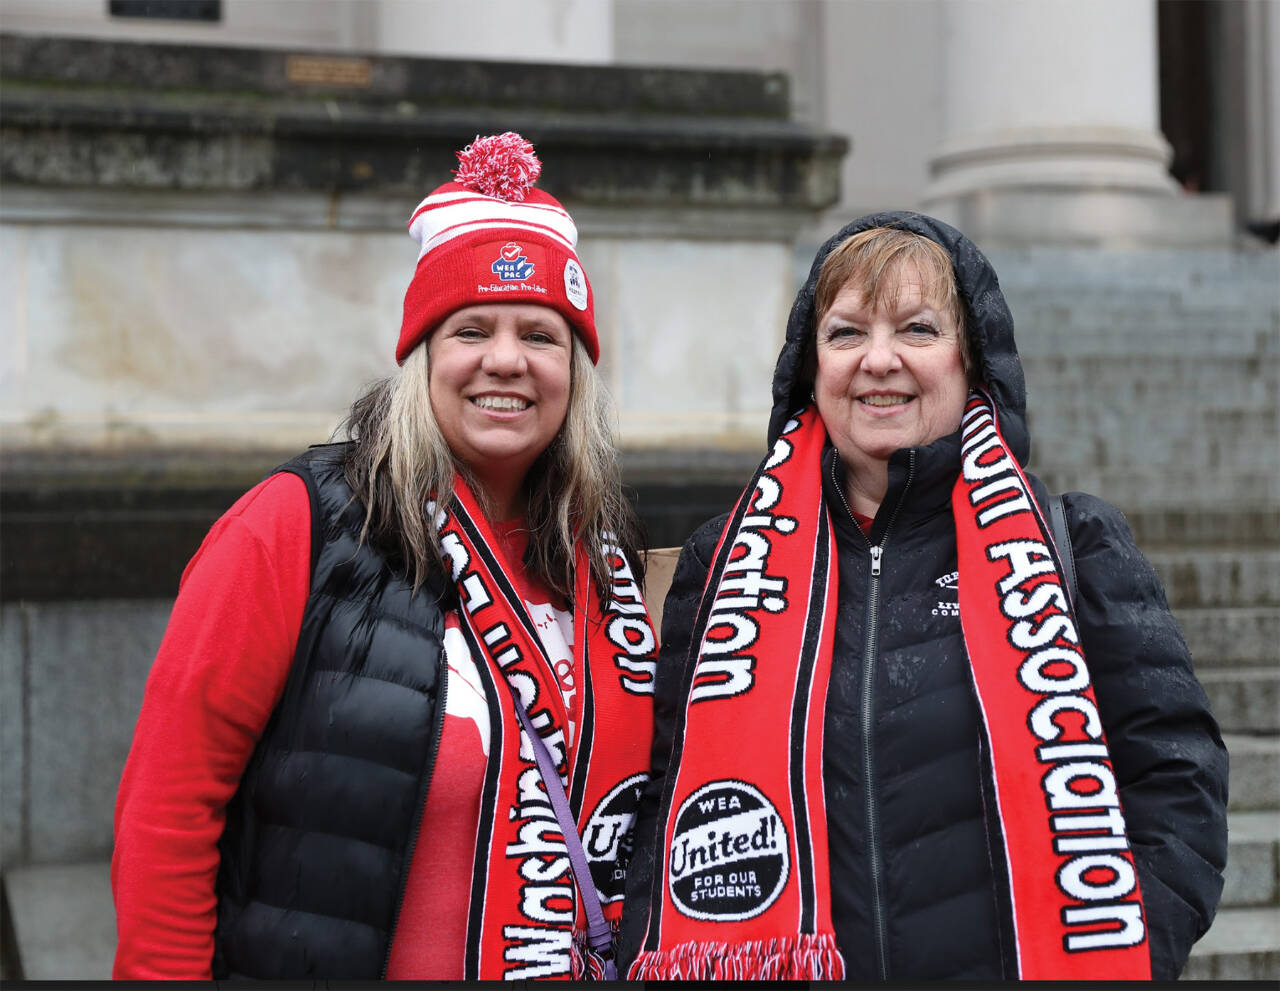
(868, 713)
(441, 700)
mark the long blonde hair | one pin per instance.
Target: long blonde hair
(399, 461)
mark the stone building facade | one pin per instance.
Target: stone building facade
(202, 223)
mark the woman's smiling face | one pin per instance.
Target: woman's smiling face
(888, 378)
(499, 381)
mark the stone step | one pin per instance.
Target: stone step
(1252, 876)
(1168, 488)
(64, 921)
(1177, 528)
(1219, 576)
(1244, 700)
(1243, 944)
(1232, 636)
(1255, 772)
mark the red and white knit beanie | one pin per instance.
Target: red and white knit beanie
(490, 237)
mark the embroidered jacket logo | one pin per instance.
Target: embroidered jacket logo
(511, 265)
(948, 605)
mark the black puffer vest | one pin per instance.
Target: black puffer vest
(319, 836)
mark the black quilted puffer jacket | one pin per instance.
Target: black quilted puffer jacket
(320, 833)
(915, 895)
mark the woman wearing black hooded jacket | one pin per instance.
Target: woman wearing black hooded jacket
(892, 742)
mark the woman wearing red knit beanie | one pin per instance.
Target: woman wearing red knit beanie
(396, 666)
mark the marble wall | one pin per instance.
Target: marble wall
(171, 337)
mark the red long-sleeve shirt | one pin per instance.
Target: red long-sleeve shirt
(217, 677)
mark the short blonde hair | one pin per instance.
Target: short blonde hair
(872, 259)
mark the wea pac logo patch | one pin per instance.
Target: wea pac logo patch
(512, 264)
(730, 854)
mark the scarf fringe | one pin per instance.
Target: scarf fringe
(806, 957)
(585, 964)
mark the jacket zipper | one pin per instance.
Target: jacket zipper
(868, 693)
(420, 808)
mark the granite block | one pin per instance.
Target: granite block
(1221, 636)
(1200, 577)
(678, 374)
(89, 663)
(1252, 875)
(63, 921)
(13, 732)
(1244, 700)
(1243, 944)
(1255, 772)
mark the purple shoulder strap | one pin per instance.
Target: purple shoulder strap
(599, 933)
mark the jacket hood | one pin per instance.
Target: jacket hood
(989, 327)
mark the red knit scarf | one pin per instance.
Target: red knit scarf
(526, 918)
(741, 870)
(1077, 910)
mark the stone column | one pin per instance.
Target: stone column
(1261, 30)
(1051, 130)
